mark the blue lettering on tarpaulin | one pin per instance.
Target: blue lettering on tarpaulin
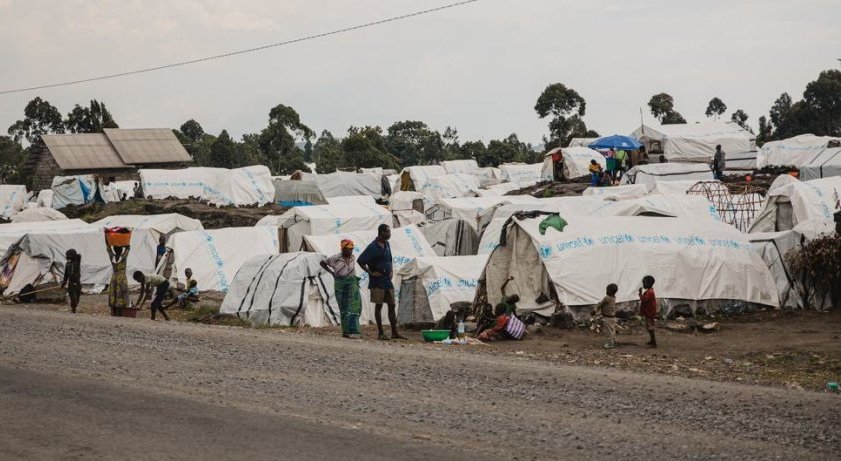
(273, 235)
(217, 262)
(400, 260)
(657, 239)
(414, 239)
(618, 239)
(692, 240)
(256, 187)
(437, 285)
(545, 251)
(580, 242)
(468, 283)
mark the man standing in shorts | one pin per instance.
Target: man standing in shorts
(376, 261)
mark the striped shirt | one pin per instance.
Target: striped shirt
(340, 266)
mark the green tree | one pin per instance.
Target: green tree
(365, 147)
(509, 150)
(328, 154)
(741, 118)
(40, 117)
(11, 161)
(781, 116)
(822, 100)
(662, 107)
(413, 143)
(475, 150)
(223, 151)
(192, 130)
(277, 141)
(566, 107)
(715, 108)
(765, 131)
(92, 119)
(452, 148)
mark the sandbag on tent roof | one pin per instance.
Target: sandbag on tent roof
(218, 186)
(450, 186)
(628, 190)
(692, 260)
(325, 219)
(343, 183)
(695, 142)
(216, 255)
(460, 166)
(429, 285)
(451, 237)
(162, 224)
(297, 193)
(522, 173)
(576, 162)
(650, 174)
(38, 214)
(797, 202)
(414, 178)
(471, 208)
(407, 243)
(289, 289)
(30, 259)
(12, 199)
(798, 151)
(11, 233)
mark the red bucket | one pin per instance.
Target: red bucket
(118, 237)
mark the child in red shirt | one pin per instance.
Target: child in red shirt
(648, 307)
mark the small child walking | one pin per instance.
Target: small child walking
(648, 307)
(607, 307)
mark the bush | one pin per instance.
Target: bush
(816, 267)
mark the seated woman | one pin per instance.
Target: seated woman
(497, 331)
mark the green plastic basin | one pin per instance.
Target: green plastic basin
(435, 335)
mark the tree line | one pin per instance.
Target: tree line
(287, 144)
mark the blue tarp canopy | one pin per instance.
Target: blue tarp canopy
(616, 141)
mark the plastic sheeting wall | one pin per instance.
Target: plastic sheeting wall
(649, 175)
(446, 280)
(523, 174)
(218, 186)
(327, 219)
(12, 199)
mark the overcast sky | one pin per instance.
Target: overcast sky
(478, 67)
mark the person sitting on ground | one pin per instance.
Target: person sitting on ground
(607, 308)
(73, 278)
(497, 331)
(595, 173)
(190, 295)
(147, 282)
(648, 307)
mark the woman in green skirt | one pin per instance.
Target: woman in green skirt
(342, 267)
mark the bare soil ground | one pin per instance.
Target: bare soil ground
(790, 349)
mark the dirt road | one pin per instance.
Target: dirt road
(98, 387)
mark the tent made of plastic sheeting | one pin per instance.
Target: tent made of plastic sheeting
(429, 285)
(407, 243)
(408, 207)
(629, 190)
(31, 258)
(675, 187)
(695, 142)
(72, 190)
(451, 237)
(216, 255)
(827, 164)
(352, 199)
(460, 166)
(497, 190)
(581, 142)
(414, 178)
(797, 202)
(289, 289)
(297, 193)
(488, 173)
(797, 151)
(342, 184)
(12, 199)
(692, 260)
(11, 233)
(162, 224)
(576, 161)
(325, 219)
(450, 186)
(674, 206)
(470, 209)
(650, 174)
(740, 162)
(218, 186)
(116, 190)
(38, 215)
(45, 198)
(772, 247)
(522, 173)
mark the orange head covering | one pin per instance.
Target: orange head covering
(346, 244)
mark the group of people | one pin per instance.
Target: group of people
(648, 311)
(617, 162)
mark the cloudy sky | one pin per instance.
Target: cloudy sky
(478, 67)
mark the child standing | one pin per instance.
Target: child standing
(607, 307)
(648, 307)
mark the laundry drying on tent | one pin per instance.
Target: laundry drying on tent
(289, 289)
(324, 219)
(430, 285)
(250, 185)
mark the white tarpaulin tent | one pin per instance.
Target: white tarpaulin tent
(216, 255)
(695, 142)
(827, 164)
(11, 233)
(497, 190)
(692, 260)
(451, 237)
(460, 166)
(581, 142)
(797, 151)
(429, 285)
(650, 174)
(325, 219)
(470, 209)
(162, 224)
(772, 247)
(298, 192)
(675, 187)
(39, 251)
(798, 202)
(38, 214)
(407, 243)
(116, 190)
(343, 184)
(675, 206)
(45, 198)
(629, 190)
(72, 190)
(218, 186)
(352, 199)
(576, 162)
(12, 199)
(523, 174)
(414, 178)
(450, 185)
(289, 289)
